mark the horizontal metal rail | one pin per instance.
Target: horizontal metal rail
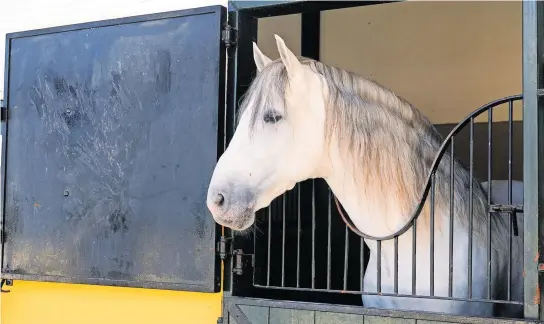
(356, 292)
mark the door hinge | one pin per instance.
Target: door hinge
(220, 320)
(238, 267)
(7, 282)
(222, 248)
(228, 36)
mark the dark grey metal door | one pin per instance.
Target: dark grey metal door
(112, 133)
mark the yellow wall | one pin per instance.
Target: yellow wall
(52, 303)
(447, 58)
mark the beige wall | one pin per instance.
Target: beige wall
(447, 58)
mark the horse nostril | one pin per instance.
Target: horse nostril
(219, 200)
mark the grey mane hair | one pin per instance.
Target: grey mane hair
(392, 143)
(273, 78)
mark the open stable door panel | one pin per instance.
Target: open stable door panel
(111, 135)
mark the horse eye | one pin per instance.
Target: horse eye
(272, 117)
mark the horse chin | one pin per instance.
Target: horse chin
(240, 223)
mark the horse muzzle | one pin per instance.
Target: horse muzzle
(232, 207)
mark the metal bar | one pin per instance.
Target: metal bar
(489, 176)
(471, 207)
(298, 234)
(396, 266)
(533, 155)
(284, 197)
(431, 249)
(262, 9)
(346, 252)
(310, 37)
(239, 76)
(313, 233)
(269, 245)
(452, 199)
(414, 252)
(310, 34)
(238, 315)
(329, 226)
(379, 266)
(356, 292)
(362, 264)
(309, 47)
(510, 220)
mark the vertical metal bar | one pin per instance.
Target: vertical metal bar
(313, 234)
(254, 248)
(414, 252)
(269, 245)
(396, 266)
(489, 176)
(533, 155)
(470, 207)
(346, 252)
(310, 26)
(284, 198)
(452, 197)
(379, 267)
(329, 226)
(362, 264)
(431, 249)
(239, 76)
(298, 235)
(310, 33)
(510, 220)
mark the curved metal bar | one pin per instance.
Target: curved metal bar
(434, 167)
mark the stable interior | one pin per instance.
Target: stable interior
(446, 58)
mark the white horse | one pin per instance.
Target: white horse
(302, 119)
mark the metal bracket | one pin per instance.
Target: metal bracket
(3, 111)
(238, 267)
(238, 315)
(222, 248)
(506, 208)
(513, 209)
(7, 282)
(228, 36)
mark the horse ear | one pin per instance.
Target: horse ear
(261, 60)
(291, 62)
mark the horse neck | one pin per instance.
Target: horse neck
(368, 216)
(381, 188)
(379, 181)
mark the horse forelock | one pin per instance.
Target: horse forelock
(264, 92)
(392, 144)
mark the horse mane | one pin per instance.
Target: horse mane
(392, 144)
